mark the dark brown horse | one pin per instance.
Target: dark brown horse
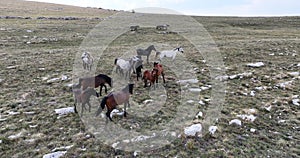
(116, 98)
(95, 82)
(149, 76)
(83, 97)
(160, 71)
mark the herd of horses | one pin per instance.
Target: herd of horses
(85, 88)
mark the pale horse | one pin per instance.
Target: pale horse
(169, 53)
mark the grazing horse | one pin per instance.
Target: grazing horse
(83, 97)
(123, 67)
(87, 60)
(95, 82)
(160, 71)
(169, 53)
(151, 76)
(145, 52)
(116, 98)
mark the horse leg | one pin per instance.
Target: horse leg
(89, 106)
(163, 75)
(100, 90)
(108, 114)
(148, 58)
(105, 88)
(125, 109)
(82, 106)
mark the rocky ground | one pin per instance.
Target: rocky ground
(259, 118)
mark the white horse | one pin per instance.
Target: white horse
(169, 53)
(87, 60)
(123, 67)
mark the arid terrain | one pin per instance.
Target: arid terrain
(39, 43)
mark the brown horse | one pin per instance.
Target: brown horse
(149, 75)
(83, 97)
(160, 71)
(95, 82)
(116, 98)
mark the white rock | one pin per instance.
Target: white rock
(199, 115)
(252, 130)
(64, 77)
(298, 64)
(281, 121)
(188, 81)
(201, 102)
(258, 64)
(190, 101)
(236, 121)
(1, 141)
(53, 80)
(296, 102)
(294, 74)
(193, 129)
(62, 148)
(268, 108)
(247, 117)
(114, 145)
(222, 78)
(55, 154)
(63, 111)
(135, 153)
(15, 136)
(13, 113)
(195, 89)
(252, 93)
(147, 101)
(285, 84)
(212, 129)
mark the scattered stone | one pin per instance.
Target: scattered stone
(190, 101)
(201, 102)
(12, 67)
(188, 81)
(199, 115)
(64, 111)
(293, 74)
(193, 130)
(13, 113)
(284, 85)
(53, 80)
(296, 102)
(268, 108)
(252, 130)
(236, 121)
(64, 77)
(147, 101)
(55, 154)
(252, 93)
(212, 129)
(62, 148)
(256, 65)
(16, 136)
(250, 118)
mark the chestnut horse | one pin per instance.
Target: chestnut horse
(160, 71)
(95, 82)
(116, 98)
(151, 76)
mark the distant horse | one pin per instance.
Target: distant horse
(162, 27)
(150, 76)
(87, 60)
(83, 97)
(116, 98)
(145, 52)
(123, 67)
(169, 53)
(160, 71)
(95, 82)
